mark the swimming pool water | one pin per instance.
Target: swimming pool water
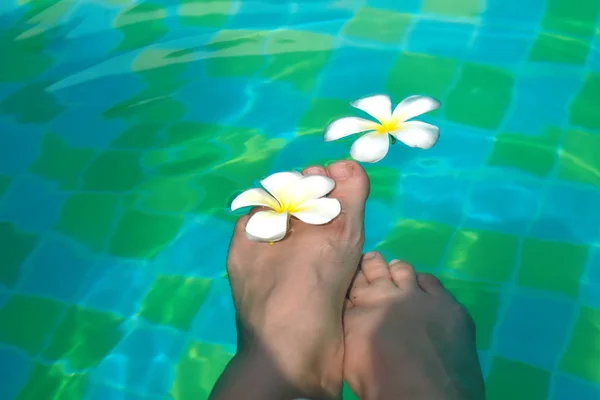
(126, 128)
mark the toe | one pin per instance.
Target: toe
(314, 170)
(351, 189)
(403, 274)
(432, 285)
(374, 267)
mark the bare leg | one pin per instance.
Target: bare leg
(407, 337)
(289, 298)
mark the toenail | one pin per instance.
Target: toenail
(395, 261)
(369, 255)
(341, 170)
(313, 170)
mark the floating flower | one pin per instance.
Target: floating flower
(286, 194)
(374, 145)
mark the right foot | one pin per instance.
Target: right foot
(406, 337)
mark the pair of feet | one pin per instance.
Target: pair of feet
(308, 320)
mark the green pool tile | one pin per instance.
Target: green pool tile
(469, 255)
(26, 321)
(579, 160)
(321, 113)
(175, 300)
(236, 53)
(457, 8)
(218, 190)
(31, 103)
(486, 90)
(148, 109)
(204, 13)
(182, 132)
(297, 57)
(59, 162)
(553, 266)
(4, 183)
(584, 109)
(583, 351)
(483, 302)
(194, 158)
(420, 74)
(420, 243)
(536, 155)
(139, 137)
(16, 247)
(52, 382)
(114, 171)
(565, 17)
(514, 380)
(169, 194)
(88, 218)
(378, 25)
(28, 57)
(384, 183)
(84, 337)
(142, 234)
(198, 371)
(550, 47)
(141, 25)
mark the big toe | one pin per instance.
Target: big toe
(352, 190)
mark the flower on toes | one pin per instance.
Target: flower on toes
(287, 194)
(390, 125)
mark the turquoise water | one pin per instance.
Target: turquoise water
(126, 128)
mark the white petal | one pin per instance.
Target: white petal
(267, 226)
(312, 187)
(318, 211)
(378, 106)
(254, 197)
(281, 183)
(347, 126)
(414, 106)
(371, 147)
(417, 134)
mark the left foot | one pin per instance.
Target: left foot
(289, 296)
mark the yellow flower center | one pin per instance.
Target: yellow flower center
(387, 126)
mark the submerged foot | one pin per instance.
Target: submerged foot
(289, 296)
(407, 337)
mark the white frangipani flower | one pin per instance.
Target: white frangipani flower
(374, 145)
(287, 193)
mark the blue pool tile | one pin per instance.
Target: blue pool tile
(112, 370)
(187, 254)
(543, 327)
(304, 150)
(215, 322)
(589, 293)
(117, 286)
(99, 132)
(407, 6)
(315, 16)
(150, 348)
(15, 368)
(438, 198)
(276, 107)
(569, 387)
(515, 11)
(502, 49)
(161, 376)
(57, 268)
(354, 72)
(542, 97)
(502, 205)
(485, 360)
(569, 213)
(441, 38)
(379, 219)
(217, 101)
(32, 204)
(19, 145)
(261, 15)
(100, 391)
